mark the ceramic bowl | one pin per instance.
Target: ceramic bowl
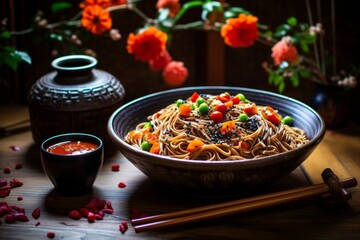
(209, 177)
(72, 175)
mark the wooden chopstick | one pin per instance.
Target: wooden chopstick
(232, 207)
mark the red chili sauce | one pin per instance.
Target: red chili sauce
(72, 148)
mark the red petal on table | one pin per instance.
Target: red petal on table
(15, 148)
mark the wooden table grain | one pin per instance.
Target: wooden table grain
(312, 218)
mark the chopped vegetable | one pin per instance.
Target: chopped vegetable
(250, 109)
(221, 107)
(203, 108)
(145, 145)
(179, 102)
(287, 120)
(134, 134)
(228, 126)
(229, 104)
(185, 110)
(155, 148)
(199, 101)
(151, 138)
(216, 116)
(235, 100)
(241, 97)
(194, 96)
(148, 125)
(243, 117)
(245, 145)
(224, 97)
(194, 145)
(271, 115)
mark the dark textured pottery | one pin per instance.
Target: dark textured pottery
(72, 175)
(220, 177)
(74, 98)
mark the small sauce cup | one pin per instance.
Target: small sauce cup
(72, 162)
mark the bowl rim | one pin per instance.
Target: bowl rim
(69, 136)
(146, 156)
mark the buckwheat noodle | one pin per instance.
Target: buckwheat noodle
(174, 133)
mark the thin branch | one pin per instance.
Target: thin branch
(196, 25)
(322, 49)
(311, 22)
(333, 23)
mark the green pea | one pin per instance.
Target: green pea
(148, 125)
(193, 107)
(241, 97)
(199, 101)
(179, 102)
(243, 117)
(203, 108)
(287, 120)
(145, 145)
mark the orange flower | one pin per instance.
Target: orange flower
(172, 5)
(284, 50)
(101, 3)
(96, 19)
(147, 44)
(159, 63)
(175, 74)
(241, 31)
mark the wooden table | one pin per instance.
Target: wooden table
(312, 218)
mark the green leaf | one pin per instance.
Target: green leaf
(59, 6)
(268, 33)
(271, 78)
(282, 30)
(229, 14)
(281, 87)
(186, 7)
(6, 35)
(304, 46)
(233, 12)
(304, 73)
(292, 21)
(56, 37)
(278, 79)
(10, 60)
(163, 14)
(295, 79)
(308, 38)
(24, 56)
(212, 6)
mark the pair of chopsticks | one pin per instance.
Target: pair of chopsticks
(331, 184)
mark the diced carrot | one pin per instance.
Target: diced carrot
(194, 145)
(185, 110)
(227, 126)
(151, 138)
(155, 148)
(229, 104)
(135, 135)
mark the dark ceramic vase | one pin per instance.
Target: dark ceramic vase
(333, 103)
(74, 98)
